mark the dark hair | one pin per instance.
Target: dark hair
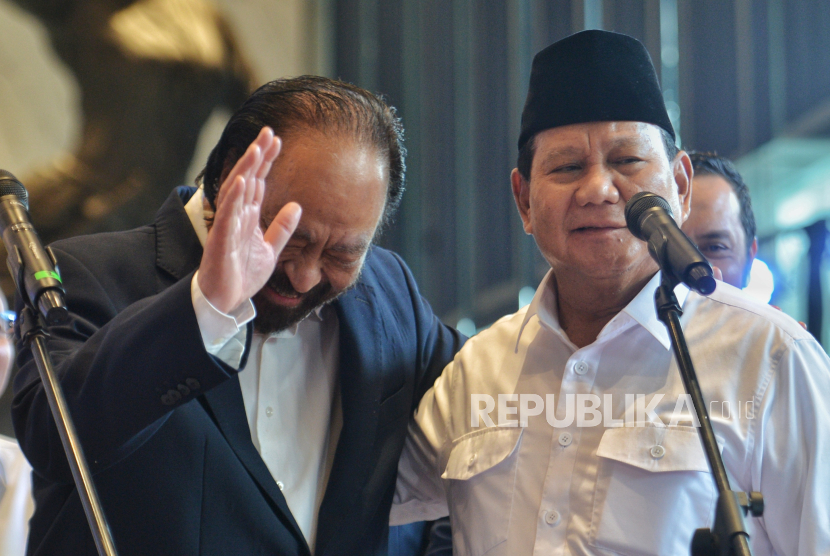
(525, 159)
(327, 105)
(709, 163)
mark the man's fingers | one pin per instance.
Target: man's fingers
(283, 225)
(249, 162)
(269, 154)
(256, 162)
(249, 165)
(229, 206)
(264, 142)
(259, 192)
(718, 274)
(265, 138)
(242, 169)
(268, 157)
(263, 151)
(250, 188)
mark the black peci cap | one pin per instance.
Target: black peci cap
(593, 76)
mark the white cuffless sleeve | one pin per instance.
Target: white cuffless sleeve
(223, 334)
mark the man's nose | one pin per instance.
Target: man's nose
(303, 273)
(597, 187)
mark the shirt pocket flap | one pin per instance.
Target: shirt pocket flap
(656, 449)
(481, 450)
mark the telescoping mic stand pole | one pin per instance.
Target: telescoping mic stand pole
(34, 335)
(34, 270)
(729, 537)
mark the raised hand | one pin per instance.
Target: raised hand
(239, 258)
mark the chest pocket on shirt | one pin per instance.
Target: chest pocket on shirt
(481, 475)
(653, 490)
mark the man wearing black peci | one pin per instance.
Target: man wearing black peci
(564, 428)
(242, 370)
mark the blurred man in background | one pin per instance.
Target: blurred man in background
(721, 222)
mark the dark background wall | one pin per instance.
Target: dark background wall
(744, 72)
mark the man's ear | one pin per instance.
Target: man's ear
(683, 173)
(521, 194)
(753, 249)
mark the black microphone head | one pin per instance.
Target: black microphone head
(10, 185)
(701, 279)
(638, 205)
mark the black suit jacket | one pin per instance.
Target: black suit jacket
(163, 423)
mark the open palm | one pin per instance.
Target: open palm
(239, 258)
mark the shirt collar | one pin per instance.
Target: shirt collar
(195, 209)
(641, 309)
(196, 212)
(543, 306)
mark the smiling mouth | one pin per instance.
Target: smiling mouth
(283, 298)
(598, 228)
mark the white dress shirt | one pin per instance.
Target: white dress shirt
(636, 483)
(289, 387)
(16, 503)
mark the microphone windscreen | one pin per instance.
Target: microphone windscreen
(9, 185)
(638, 205)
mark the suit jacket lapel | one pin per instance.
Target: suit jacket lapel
(361, 367)
(178, 253)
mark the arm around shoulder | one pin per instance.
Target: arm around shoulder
(437, 343)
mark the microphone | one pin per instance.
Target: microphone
(649, 218)
(34, 269)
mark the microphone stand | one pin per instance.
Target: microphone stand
(729, 537)
(33, 334)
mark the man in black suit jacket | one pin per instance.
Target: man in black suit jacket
(163, 422)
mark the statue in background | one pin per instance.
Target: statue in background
(150, 73)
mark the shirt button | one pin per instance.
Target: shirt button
(280, 485)
(565, 439)
(269, 411)
(552, 517)
(657, 451)
(473, 459)
(581, 367)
